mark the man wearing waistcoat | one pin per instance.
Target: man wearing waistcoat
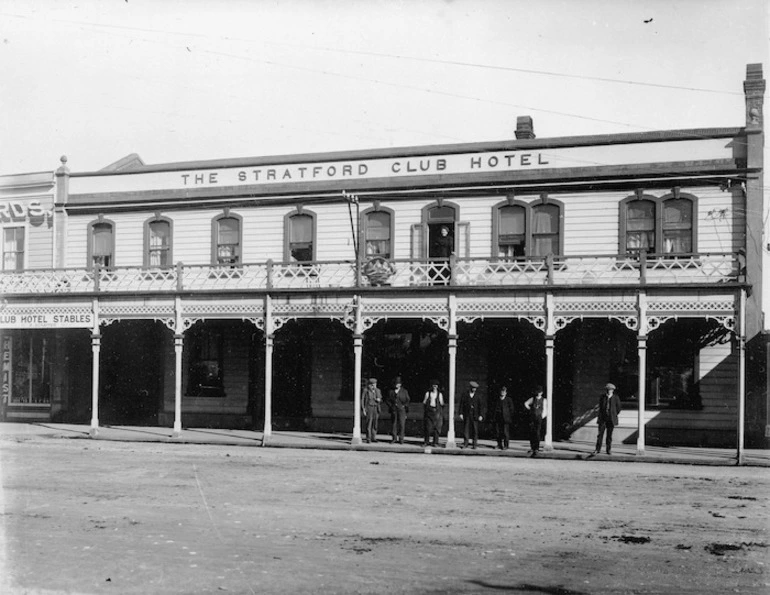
(471, 413)
(371, 403)
(609, 407)
(537, 412)
(433, 419)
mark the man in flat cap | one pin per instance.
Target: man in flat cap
(471, 413)
(609, 407)
(371, 403)
(398, 401)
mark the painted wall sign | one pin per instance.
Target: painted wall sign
(460, 163)
(6, 364)
(15, 210)
(29, 320)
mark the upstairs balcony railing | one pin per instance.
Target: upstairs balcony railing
(639, 269)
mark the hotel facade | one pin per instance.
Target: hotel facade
(262, 292)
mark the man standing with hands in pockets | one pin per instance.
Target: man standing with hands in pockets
(609, 407)
(398, 400)
(471, 412)
(371, 403)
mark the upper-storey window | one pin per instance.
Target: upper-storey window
(13, 248)
(378, 233)
(677, 226)
(158, 243)
(102, 244)
(640, 226)
(663, 225)
(545, 229)
(523, 229)
(300, 235)
(226, 234)
(511, 231)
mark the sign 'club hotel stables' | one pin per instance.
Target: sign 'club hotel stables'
(263, 292)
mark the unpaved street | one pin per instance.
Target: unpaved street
(83, 516)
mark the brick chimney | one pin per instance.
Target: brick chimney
(754, 88)
(524, 128)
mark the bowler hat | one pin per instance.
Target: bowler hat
(609, 386)
(372, 381)
(397, 380)
(434, 382)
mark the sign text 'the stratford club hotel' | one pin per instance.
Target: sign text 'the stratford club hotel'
(369, 168)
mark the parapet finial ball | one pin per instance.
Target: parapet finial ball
(63, 159)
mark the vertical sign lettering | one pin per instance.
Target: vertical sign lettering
(6, 361)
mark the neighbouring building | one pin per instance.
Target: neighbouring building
(262, 292)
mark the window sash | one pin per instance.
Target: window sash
(102, 244)
(13, 248)
(228, 240)
(159, 243)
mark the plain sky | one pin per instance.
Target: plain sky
(177, 80)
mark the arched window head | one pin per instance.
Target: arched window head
(663, 225)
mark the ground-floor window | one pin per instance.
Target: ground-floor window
(26, 368)
(672, 375)
(205, 363)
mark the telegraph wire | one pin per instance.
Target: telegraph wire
(375, 80)
(385, 55)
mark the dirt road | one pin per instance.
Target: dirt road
(82, 516)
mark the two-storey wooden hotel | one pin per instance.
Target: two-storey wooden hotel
(261, 292)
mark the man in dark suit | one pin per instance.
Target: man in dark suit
(371, 402)
(502, 417)
(471, 413)
(398, 401)
(609, 407)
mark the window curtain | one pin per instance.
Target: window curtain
(378, 234)
(511, 232)
(640, 226)
(159, 243)
(301, 238)
(229, 238)
(13, 249)
(102, 240)
(545, 230)
(102, 244)
(677, 226)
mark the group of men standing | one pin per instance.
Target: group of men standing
(472, 412)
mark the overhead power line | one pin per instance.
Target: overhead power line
(388, 55)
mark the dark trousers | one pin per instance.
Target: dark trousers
(432, 425)
(503, 431)
(608, 426)
(399, 424)
(471, 429)
(535, 432)
(372, 421)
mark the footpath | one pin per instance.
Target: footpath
(578, 450)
